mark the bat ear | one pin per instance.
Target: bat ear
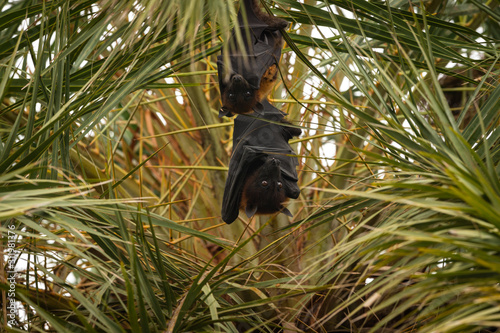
(294, 131)
(224, 112)
(291, 188)
(286, 212)
(250, 211)
(259, 108)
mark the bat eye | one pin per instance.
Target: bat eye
(280, 185)
(231, 95)
(248, 94)
(264, 183)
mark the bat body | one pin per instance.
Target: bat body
(252, 71)
(261, 153)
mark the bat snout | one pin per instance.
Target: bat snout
(272, 163)
(237, 78)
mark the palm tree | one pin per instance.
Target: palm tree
(113, 162)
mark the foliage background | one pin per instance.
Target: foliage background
(113, 161)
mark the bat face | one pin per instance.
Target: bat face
(239, 97)
(263, 192)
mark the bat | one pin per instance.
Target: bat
(261, 153)
(252, 72)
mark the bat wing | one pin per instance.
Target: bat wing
(248, 18)
(237, 173)
(258, 30)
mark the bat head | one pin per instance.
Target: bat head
(263, 192)
(239, 96)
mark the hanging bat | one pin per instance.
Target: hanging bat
(262, 171)
(252, 72)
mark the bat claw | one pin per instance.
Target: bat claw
(250, 211)
(286, 212)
